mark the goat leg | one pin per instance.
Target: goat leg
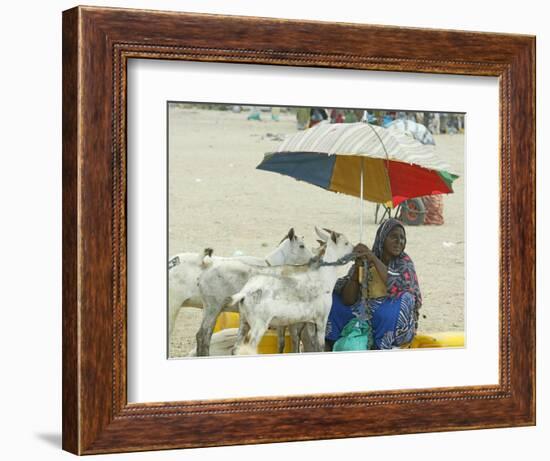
(204, 335)
(242, 334)
(308, 337)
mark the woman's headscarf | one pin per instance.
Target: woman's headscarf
(401, 273)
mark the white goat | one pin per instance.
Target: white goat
(183, 273)
(223, 278)
(184, 270)
(283, 296)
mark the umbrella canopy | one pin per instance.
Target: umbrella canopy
(416, 130)
(362, 160)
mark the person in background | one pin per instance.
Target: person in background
(434, 125)
(337, 116)
(359, 114)
(303, 115)
(254, 114)
(317, 115)
(433, 205)
(350, 117)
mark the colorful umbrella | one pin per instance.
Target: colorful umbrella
(363, 160)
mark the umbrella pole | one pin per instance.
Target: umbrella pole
(361, 204)
(361, 190)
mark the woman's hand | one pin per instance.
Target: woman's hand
(363, 252)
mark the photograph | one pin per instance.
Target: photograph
(280, 229)
(313, 229)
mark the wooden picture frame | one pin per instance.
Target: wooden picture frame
(97, 44)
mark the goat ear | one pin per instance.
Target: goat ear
(331, 231)
(324, 236)
(333, 236)
(291, 235)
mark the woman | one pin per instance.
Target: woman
(389, 290)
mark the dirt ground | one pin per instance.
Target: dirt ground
(218, 199)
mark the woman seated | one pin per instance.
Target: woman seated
(388, 291)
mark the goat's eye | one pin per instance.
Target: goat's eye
(302, 246)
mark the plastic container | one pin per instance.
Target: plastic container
(269, 342)
(441, 339)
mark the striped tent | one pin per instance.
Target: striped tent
(363, 160)
(416, 130)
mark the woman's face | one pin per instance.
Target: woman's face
(395, 242)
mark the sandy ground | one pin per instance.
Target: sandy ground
(218, 199)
